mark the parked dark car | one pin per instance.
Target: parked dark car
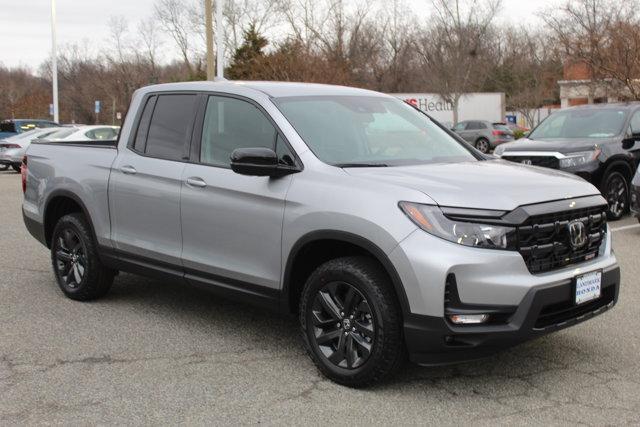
(14, 126)
(484, 135)
(600, 143)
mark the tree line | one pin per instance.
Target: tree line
(460, 46)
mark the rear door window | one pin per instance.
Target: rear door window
(170, 127)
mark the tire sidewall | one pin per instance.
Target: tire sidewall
(605, 190)
(317, 282)
(75, 224)
(486, 142)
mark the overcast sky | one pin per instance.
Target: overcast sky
(25, 31)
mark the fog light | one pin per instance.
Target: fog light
(468, 319)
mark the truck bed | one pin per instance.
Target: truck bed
(74, 167)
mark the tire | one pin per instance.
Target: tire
(17, 168)
(615, 189)
(72, 244)
(483, 145)
(373, 332)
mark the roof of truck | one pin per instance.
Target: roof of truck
(272, 89)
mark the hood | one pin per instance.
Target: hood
(491, 184)
(562, 145)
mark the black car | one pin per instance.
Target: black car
(600, 143)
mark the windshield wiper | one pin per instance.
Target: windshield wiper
(361, 165)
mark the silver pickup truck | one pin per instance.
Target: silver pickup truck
(385, 233)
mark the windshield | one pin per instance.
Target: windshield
(369, 130)
(587, 123)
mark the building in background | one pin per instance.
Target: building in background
(579, 88)
(473, 106)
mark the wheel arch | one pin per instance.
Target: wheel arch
(314, 245)
(58, 204)
(618, 164)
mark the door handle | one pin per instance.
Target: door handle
(196, 182)
(129, 170)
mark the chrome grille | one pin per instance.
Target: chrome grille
(544, 161)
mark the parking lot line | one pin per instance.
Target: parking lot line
(626, 227)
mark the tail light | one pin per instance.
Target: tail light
(23, 173)
(9, 146)
(498, 133)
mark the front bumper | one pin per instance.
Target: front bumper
(434, 341)
(495, 280)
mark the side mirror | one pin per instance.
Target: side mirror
(258, 162)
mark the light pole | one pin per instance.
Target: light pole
(219, 41)
(209, 29)
(54, 61)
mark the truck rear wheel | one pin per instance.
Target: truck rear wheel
(77, 267)
(351, 322)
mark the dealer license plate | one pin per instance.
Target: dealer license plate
(588, 287)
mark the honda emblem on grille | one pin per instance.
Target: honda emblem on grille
(526, 162)
(577, 234)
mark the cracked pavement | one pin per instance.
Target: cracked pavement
(153, 352)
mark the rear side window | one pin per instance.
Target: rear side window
(501, 126)
(473, 126)
(102, 134)
(170, 127)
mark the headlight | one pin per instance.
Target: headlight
(432, 220)
(498, 150)
(580, 158)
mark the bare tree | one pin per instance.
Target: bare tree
(454, 50)
(151, 42)
(176, 20)
(604, 35)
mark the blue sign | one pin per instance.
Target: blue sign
(511, 118)
(97, 107)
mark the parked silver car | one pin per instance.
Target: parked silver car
(484, 135)
(12, 149)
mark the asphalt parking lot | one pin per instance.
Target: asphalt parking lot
(154, 352)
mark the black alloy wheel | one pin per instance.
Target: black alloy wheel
(617, 195)
(343, 325)
(79, 272)
(351, 321)
(70, 258)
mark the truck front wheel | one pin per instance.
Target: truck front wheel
(351, 322)
(77, 267)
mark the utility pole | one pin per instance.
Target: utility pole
(54, 61)
(209, 30)
(219, 41)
